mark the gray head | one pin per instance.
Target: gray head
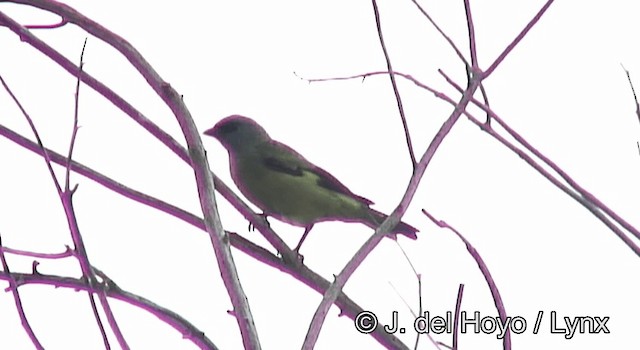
(236, 132)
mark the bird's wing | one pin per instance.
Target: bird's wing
(294, 164)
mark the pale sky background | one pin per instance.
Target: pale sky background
(562, 88)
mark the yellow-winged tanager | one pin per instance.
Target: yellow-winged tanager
(285, 185)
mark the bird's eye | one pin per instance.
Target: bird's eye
(229, 128)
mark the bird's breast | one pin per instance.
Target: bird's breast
(295, 199)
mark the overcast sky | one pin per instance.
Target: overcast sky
(562, 88)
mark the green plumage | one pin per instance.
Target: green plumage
(286, 186)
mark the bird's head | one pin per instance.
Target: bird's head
(236, 133)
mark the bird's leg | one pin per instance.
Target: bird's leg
(304, 235)
(262, 215)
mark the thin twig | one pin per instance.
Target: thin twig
(473, 51)
(67, 253)
(472, 35)
(577, 192)
(495, 293)
(74, 133)
(197, 159)
(188, 330)
(635, 99)
(444, 35)
(456, 317)
(518, 38)
(299, 271)
(420, 306)
(16, 299)
(585, 197)
(342, 278)
(394, 85)
(126, 107)
(60, 24)
(633, 91)
(65, 198)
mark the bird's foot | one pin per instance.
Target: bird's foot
(299, 258)
(264, 217)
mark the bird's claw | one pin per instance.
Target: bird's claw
(264, 216)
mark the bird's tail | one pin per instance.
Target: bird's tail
(376, 218)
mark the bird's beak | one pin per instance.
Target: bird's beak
(213, 132)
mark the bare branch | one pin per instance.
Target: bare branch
(188, 330)
(495, 293)
(394, 85)
(518, 38)
(297, 270)
(16, 298)
(342, 278)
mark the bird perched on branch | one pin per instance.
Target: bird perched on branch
(288, 187)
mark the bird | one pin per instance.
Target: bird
(287, 186)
